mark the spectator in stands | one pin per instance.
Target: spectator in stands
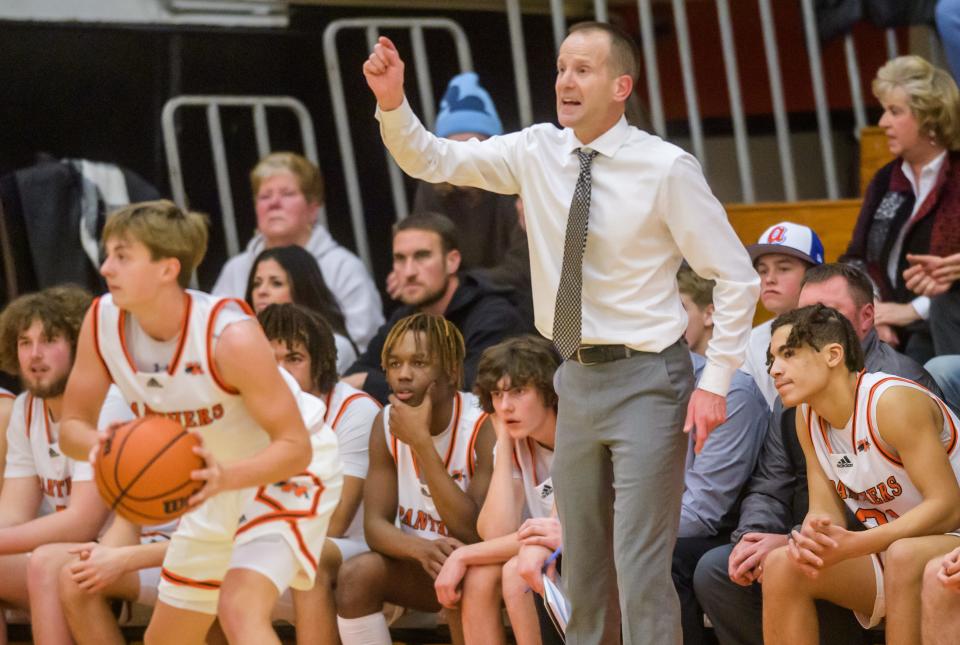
(781, 256)
(725, 580)
(435, 499)
(288, 197)
(426, 260)
(947, 16)
(290, 274)
(492, 242)
(515, 386)
(930, 275)
(912, 205)
(941, 599)
(878, 446)
(714, 478)
(38, 337)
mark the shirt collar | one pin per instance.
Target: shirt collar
(931, 169)
(606, 144)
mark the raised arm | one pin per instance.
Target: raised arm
(503, 507)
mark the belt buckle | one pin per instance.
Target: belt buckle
(580, 358)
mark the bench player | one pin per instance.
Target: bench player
(515, 384)
(304, 344)
(205, 362)
(431, 457)
(47, 496)
(884, 446)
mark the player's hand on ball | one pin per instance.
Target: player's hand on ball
(97, 566)
(211, 474)
(103, 436)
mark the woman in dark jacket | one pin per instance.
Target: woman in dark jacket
(912, 205)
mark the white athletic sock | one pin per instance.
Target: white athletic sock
(366, 630)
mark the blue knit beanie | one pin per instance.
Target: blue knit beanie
(466, 107)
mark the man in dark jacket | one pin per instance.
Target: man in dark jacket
(426, 260)
(727, 578)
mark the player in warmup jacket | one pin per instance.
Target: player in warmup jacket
(515, 385)
(884, 446)
(47, 496)
(206, 363)
(305, 345)
(431, 454)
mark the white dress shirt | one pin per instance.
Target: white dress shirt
(755, 362)
(922, 190)
(650, 208)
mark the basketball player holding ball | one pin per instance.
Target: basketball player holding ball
(205, 362)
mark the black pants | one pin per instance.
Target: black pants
(686, 554)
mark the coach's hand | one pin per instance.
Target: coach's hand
(384, 73)
(211, 474)
(411, 424)
(433, 553)
(705, 412)
(745, 564)
(447, 584)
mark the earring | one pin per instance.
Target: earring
(933, 137)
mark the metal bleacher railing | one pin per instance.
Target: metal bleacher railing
(261, 130)
(419, 27)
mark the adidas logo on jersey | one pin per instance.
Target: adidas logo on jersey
(153, 383)
(844, 462)
(53, 453)
(546, 491)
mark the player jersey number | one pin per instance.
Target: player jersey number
(874, 517)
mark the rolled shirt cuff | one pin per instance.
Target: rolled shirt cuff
(716, 378)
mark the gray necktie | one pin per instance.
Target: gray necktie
(567, 316)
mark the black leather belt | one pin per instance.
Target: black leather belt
(593, 354)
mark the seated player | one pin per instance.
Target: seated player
(304, 345)
(715, 477)
(38, 336)
(431, 454)
(515, 385)
(6, 407)
(206, 362)
(881, 445)
(941, 599)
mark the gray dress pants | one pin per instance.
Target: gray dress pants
(618, 477)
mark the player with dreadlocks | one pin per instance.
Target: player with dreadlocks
(431, 457)
(304, 344)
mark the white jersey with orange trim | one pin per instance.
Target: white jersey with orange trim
(534, 462)
(865, 470)
(350, 414)
(416, 511)
(188, 388)
(33, 448)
